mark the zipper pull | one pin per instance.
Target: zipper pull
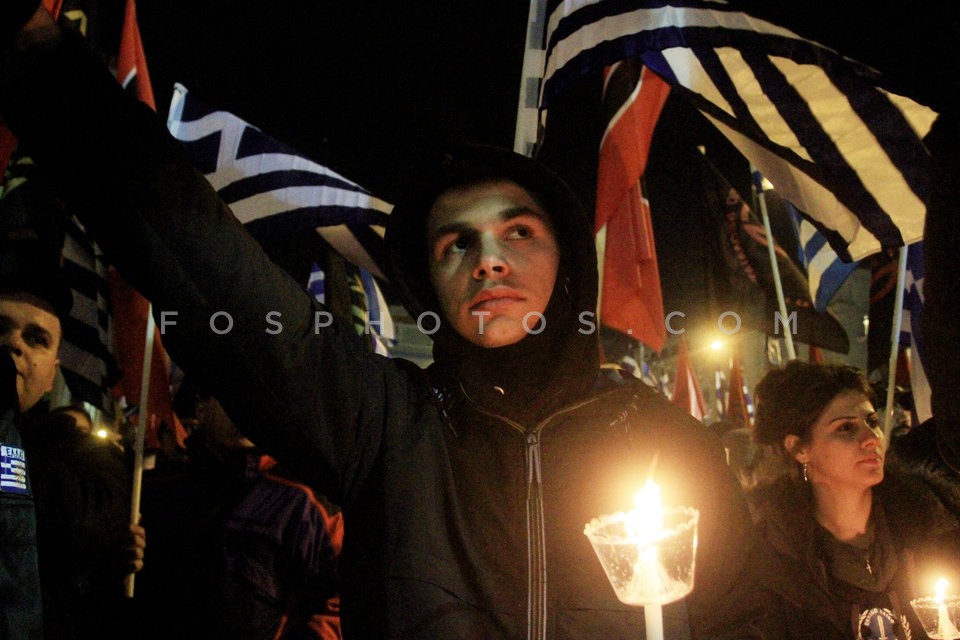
(443, 404)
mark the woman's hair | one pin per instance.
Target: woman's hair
(789, 400)
(76, 407)
(64, 418)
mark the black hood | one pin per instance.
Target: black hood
(564, 358)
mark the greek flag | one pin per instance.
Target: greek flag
(27, 202)
(316, 282)
(826, 272)
(86, 359)
(910, 334)
(378, 323)
(261, 178)
(816, 124)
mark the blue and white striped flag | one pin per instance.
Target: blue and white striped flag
(316, 283)
(816, 124)
(826, 272)
(87, 364)
(261, 178)
(86, 361)
(721, 392)
(910, 334)
(381, 328)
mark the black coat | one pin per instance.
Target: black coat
(20, 599)
(803, 598)
(82, 490)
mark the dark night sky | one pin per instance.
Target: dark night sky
(363, 87)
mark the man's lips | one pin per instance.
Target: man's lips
(875, 459)
(494, 298)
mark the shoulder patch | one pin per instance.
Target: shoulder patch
(882, 623)
(13, 470)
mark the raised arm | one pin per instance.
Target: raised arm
(307, 392)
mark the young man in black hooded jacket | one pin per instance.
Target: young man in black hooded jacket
(465, 487)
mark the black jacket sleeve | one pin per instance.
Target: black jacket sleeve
(309, 394)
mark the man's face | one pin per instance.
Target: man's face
(493, 261)
(30, 333)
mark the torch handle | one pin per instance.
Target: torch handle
(653, 619)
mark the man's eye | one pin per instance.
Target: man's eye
(448, 245)
(456, 246)
(520, 232)
(36, 339)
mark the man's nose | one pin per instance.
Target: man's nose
(11, 343)
(491, 262)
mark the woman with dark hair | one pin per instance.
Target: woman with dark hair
(850, 540)
(74, 418)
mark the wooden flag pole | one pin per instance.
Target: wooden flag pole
(775, 269)
(143, 416)
(895, 342)
(600, 242)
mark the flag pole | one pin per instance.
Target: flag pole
(600, 242)
(531, 76)
(895, 342)
(775, 269)
(143, 415)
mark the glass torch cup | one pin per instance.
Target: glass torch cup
(940, 617)
(647, 570)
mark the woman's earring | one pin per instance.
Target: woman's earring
(805, 477)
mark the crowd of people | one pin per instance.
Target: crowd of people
(462, 489)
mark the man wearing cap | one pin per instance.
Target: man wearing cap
(32, 296)
(64, 496)
(465, 487)
(30, 333)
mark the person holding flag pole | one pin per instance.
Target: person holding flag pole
(132, 74)
(137, 482)
(465, 487)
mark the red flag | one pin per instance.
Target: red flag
(129, 307)
(737, 402)
(686, 388)
(131, 62)
(816, 355)
(631, 301)
(129, 331)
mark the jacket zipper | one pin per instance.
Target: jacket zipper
(536, 530)
(536, 544)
